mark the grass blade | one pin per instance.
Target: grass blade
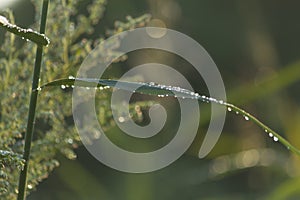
(163, 90)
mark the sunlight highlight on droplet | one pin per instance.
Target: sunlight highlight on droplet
(246, 118)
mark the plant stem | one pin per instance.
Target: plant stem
(32, 107)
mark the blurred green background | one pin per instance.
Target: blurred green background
(255, 45)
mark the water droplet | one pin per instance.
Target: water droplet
(229, 109)
(237, 112)
(266, 130)
(211, 99)
(70, 141)
(71, 77)
(29, 186)
(87, 88)
(63, 87)
(246, 118)
(121, 119)
(39, 89)
(270, 134)
(3, 20)
(275, 138)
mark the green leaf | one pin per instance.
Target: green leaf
(27, 34)
(163, 90)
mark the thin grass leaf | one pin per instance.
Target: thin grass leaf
(163, 90)
(137, 87)
(27, 34)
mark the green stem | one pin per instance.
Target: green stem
(32, 107)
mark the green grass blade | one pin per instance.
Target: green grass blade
(138, 87)
(27, 34)
(163, 90)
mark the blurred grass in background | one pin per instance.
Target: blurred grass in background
(255, 44)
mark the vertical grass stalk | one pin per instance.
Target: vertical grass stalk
(32, 106)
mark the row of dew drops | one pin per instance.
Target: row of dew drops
(178, 92)
(206, 99)
(5, 23)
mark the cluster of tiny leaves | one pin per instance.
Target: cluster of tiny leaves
(54, 129)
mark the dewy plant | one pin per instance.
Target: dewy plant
(39, 150)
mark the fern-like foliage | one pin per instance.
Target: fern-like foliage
(69, 31)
